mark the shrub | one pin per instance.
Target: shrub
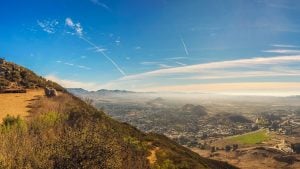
(166, 164)
(86, 147)
(44, 121)
(135, 143)
(12, 121)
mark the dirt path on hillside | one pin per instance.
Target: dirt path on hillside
(152, 158)
(17, 103)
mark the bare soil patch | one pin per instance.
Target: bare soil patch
(152, 158)
(18, 103)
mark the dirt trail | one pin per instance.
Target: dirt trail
(152, 158)
(17, 103)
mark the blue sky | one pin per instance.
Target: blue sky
(237, 46)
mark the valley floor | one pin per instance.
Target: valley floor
(249, 158)
(253, 152)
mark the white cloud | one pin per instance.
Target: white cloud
(69, 22)
(101, 50)
(149, 63)
(83, 67)
(217, 65)
(283, 51)
(192, 77)
(138, 48)
(72, 83)
(98, 49)
(244, 88)
(181, 64)
(74, 26)
(118, 42)
(164, 66)
(176, 58)
(284, 46)
(72, 64)
(48, 26)
(160, 65)
(69, 64)
(242, 74)
(97, 2)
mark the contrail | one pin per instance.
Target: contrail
(79, 32)
(184, 46)
(104, 54)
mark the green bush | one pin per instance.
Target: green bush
(44, 121)
(166, 164)
(13, 122)
(138, 145)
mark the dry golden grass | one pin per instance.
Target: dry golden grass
(18, 103)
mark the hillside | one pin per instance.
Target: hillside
(65, 132)
(15, 76)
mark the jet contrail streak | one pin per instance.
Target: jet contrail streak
(184, 46)
(105, 55)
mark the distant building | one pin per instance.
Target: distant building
(261, 122)
(284, 146)
(257, 121)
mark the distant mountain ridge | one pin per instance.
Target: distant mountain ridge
(101, 91)
(77, 90)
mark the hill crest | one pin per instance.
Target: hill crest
(13, 76)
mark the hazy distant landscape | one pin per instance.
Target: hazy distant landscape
(206, 122)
